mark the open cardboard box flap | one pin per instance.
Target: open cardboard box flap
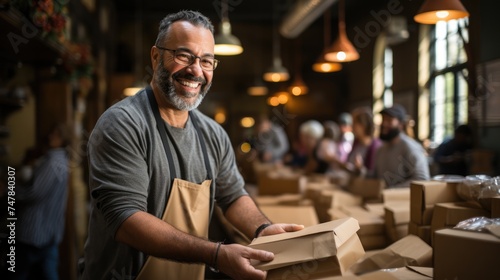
(410, 250)
(312, 243)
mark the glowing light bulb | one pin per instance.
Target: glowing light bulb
(442, 14)
(341, 56)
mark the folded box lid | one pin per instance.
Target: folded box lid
(314, 242)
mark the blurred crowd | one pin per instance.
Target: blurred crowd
(354, 146)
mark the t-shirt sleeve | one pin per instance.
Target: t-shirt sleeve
(118, 171)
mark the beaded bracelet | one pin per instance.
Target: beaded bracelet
(214, 267)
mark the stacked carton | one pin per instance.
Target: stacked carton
(424, 196)
(396, 213)
(371, 226)
(448, 215)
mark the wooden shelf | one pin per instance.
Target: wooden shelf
(22, 41)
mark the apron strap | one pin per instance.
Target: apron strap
(207, 162)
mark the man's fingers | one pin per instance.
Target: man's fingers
(260, 255)
(280, 228)
(291, 227)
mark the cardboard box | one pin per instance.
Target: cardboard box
(376, 208)
(333, 199)
(330, 248)
(460, 254)
(448, 215)
(367, 188)
(374, 241)
(276, 183)
(401, 273)
(369, 223)
(410, 250)
(495, 207)
(396, 195)
(423, 196)
(397, 213)
(302, 215)
(396, 233)
(284, 199)
(422, 231)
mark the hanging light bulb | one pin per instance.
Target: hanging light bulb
(342, 49)
(277, 72)
(225, 42)
(258, 88)
(433, 11)
(322, 65)
(298, 87)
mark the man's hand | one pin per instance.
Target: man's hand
(280, 228)
(234, 261)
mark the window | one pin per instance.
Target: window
(448, 96)
(383, 78)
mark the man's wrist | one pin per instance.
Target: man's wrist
(260, 229)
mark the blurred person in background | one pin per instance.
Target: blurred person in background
(450, 154)
(326, 153)
(347, 137)
(310, 134)
(41, 202)
(361, 159)
(401, 159)
(271, 142)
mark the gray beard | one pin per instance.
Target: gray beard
(165, 83)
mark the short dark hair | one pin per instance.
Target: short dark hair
(364, 116)
(193, 17)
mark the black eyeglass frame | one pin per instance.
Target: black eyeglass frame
(192, 58)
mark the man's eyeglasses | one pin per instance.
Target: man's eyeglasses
(186, 58)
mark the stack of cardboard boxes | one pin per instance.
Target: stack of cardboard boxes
(389, 220)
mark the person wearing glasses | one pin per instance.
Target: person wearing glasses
(157, 166)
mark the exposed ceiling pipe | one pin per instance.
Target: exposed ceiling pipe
(301, 15)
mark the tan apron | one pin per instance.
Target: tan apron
(189, 209)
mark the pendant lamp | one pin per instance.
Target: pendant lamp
(322, 65)
(433, 11)
(277, 72)
(342, 49)
(225, 42)
(298, 87)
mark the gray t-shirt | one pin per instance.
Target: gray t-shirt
(129, 173)
(401, 163)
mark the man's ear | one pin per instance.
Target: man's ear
(155, 56)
